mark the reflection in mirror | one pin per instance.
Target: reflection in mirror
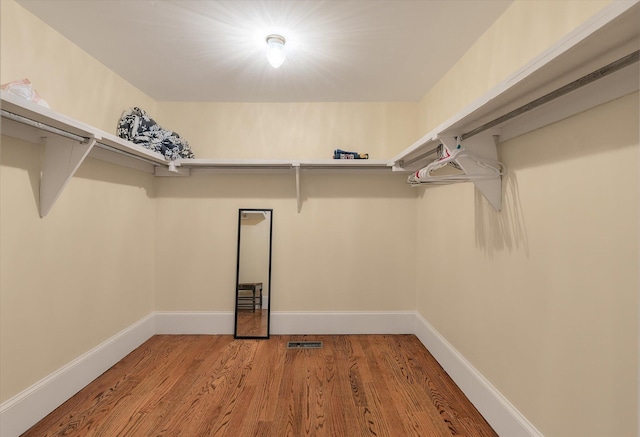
(253, 277)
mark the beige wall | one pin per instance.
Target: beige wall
(541, 297)
(86, 271)
(310, 130)
(352, 213)
(350, 248)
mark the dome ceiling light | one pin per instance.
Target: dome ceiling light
(275, 50)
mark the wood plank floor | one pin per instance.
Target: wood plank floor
(197, 385)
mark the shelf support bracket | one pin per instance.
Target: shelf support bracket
(298, 198)
(484, 146)
(62, 157)
(449, 141)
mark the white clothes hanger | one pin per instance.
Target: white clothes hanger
(473, 168)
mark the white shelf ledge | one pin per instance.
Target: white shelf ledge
(188, 167)
(45, 117)
(68, 142)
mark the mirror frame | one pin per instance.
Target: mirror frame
(235, 314)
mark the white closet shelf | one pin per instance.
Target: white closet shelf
(187, 167)
(68, 142)
(594, 64)
(43, 118)
(608, 36)
(116, 149)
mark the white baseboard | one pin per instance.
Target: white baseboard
(284, 323)
(26, 408)
(187, 322)
(505, 419)
(308, 323)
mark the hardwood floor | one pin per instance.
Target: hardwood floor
(190, 385)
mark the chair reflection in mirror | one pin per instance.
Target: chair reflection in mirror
(250, 295)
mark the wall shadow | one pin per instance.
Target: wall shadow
(26, 156)
(29, 157)
(600, 131)
(506, 230)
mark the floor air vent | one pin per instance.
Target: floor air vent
(304, 345)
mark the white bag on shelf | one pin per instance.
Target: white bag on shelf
(24, 89)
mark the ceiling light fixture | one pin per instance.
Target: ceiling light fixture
(275, 50)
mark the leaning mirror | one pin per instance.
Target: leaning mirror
(253, 277)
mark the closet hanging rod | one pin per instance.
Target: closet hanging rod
(213, 166)
(578, 83)
(65, 134)
(406, 162)
(42, 126)
(127, 154)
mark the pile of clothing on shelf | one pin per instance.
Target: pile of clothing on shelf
(136, 126)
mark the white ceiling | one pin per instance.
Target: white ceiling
(337, 50)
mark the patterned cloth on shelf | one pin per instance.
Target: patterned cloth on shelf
(136, 126)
